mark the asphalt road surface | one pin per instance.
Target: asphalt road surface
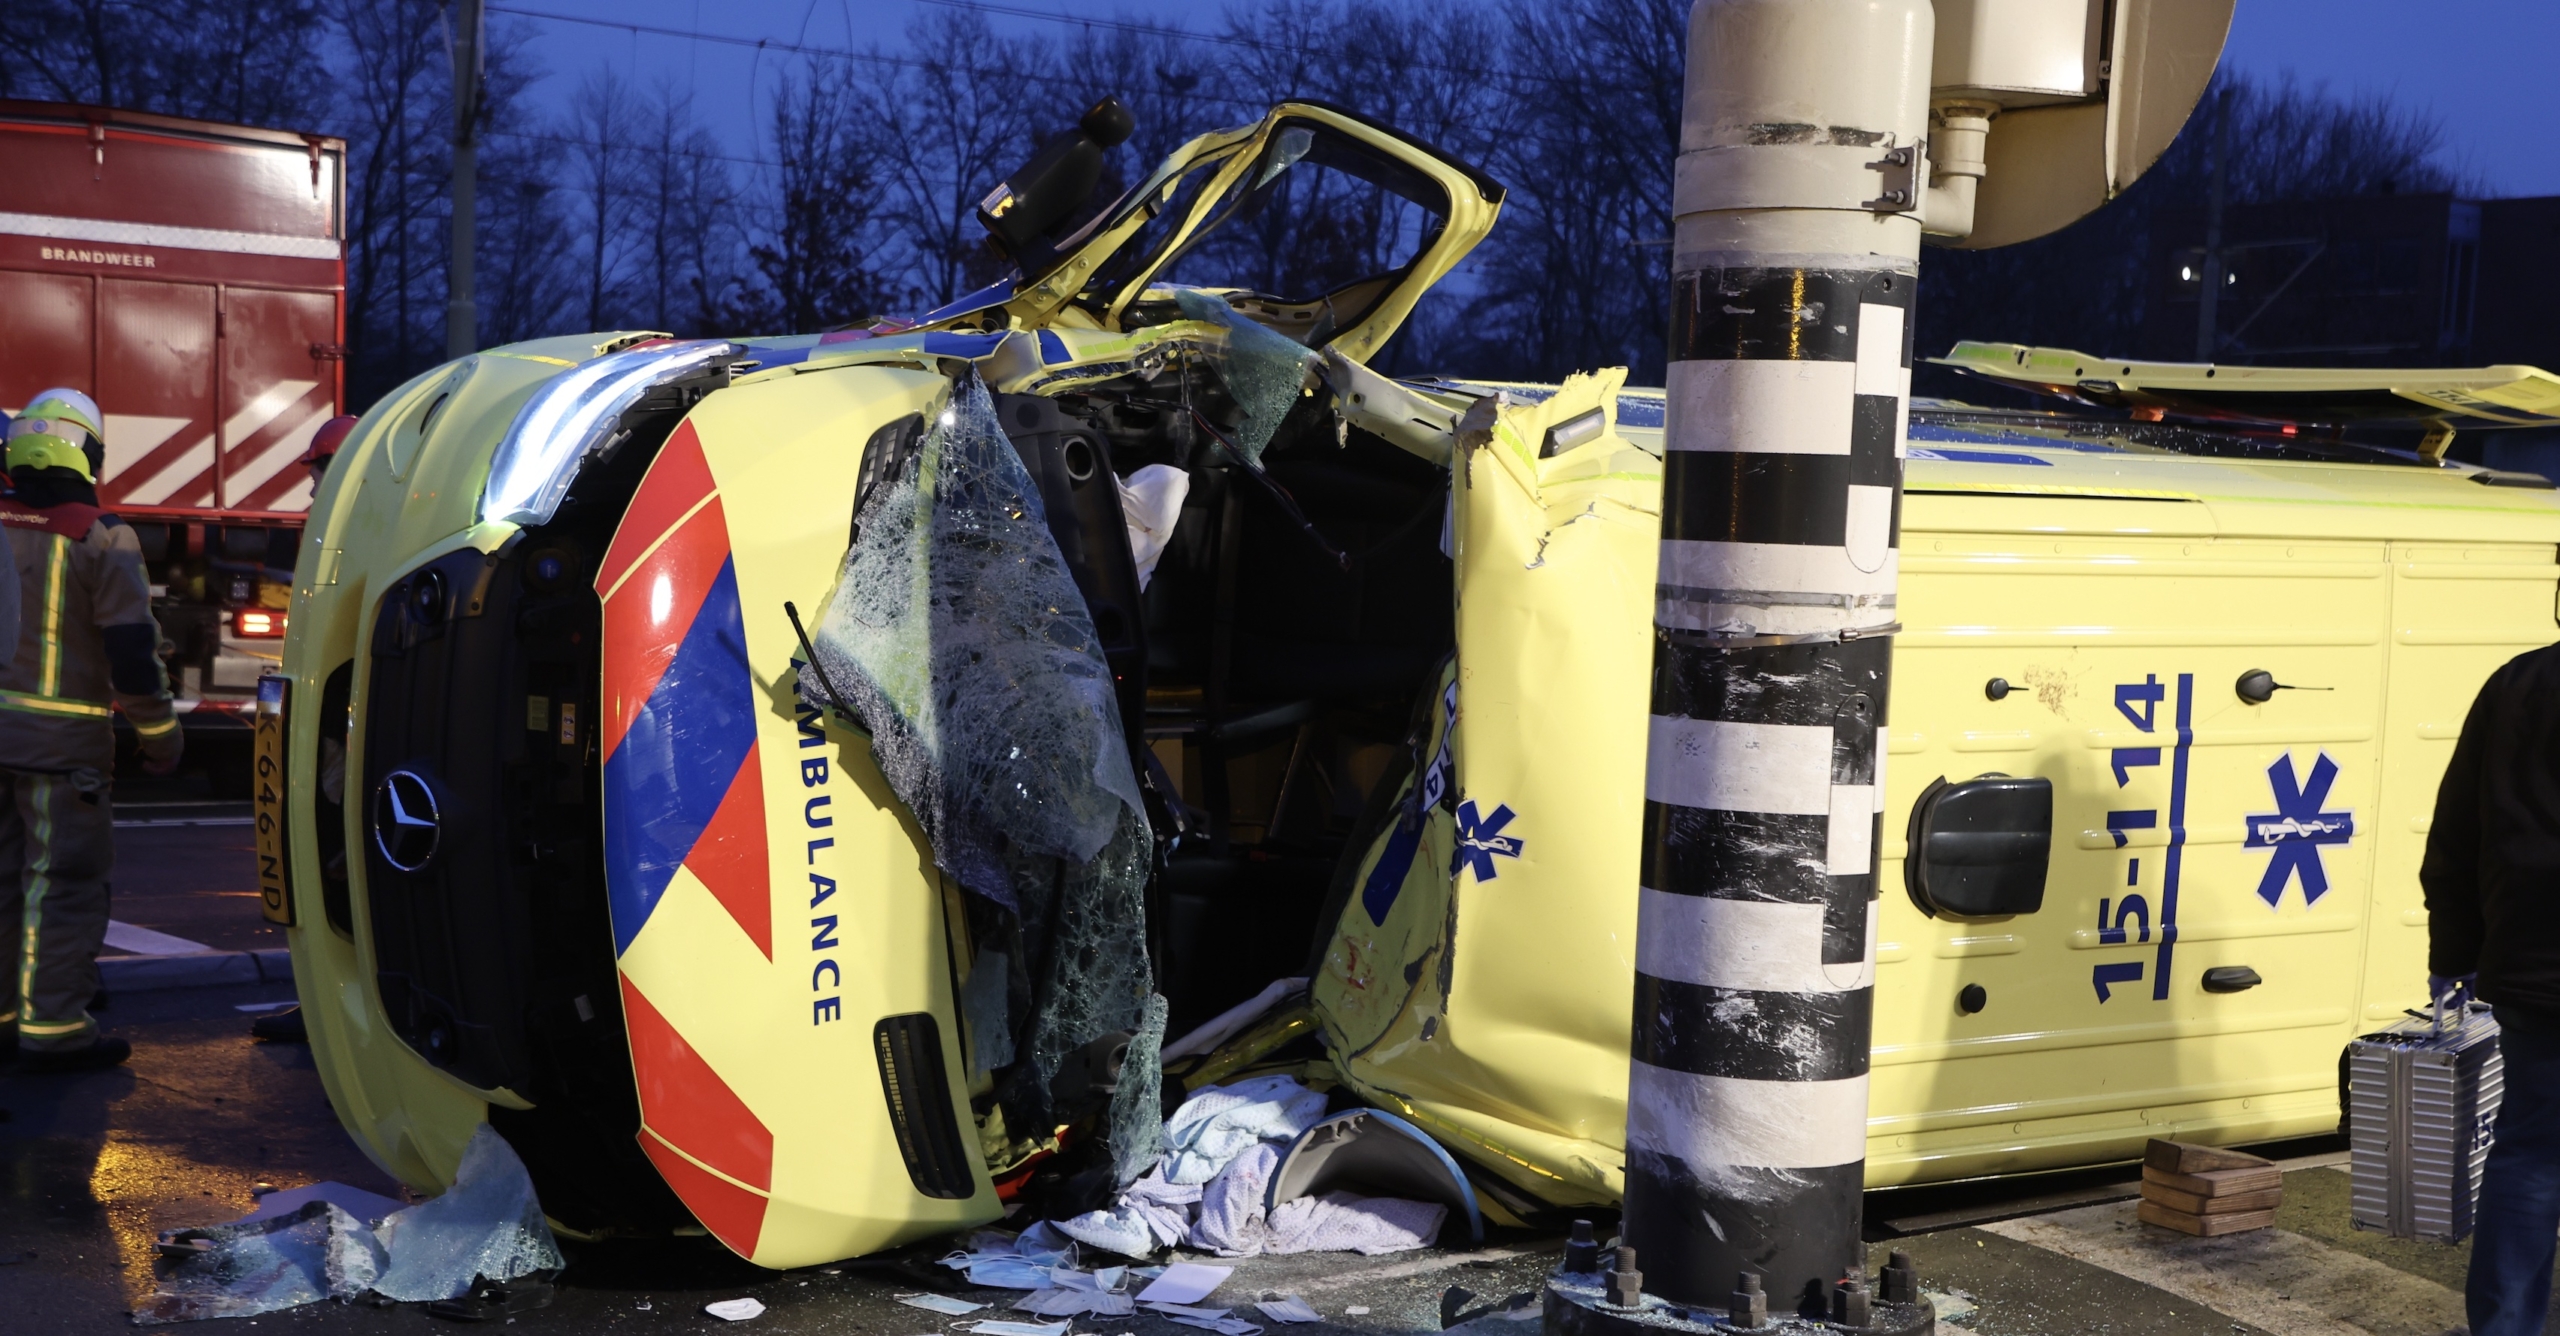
(93, 1166)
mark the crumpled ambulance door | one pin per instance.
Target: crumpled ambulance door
(1355, 218)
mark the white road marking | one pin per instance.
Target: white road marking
(135, 941)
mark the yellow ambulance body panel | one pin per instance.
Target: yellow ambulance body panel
(2079, 614)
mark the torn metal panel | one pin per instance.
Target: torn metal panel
(1553, 530)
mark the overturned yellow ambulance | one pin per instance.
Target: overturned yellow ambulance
(575, 842)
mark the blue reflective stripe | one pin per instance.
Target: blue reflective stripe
(667, 778)
(941, 343)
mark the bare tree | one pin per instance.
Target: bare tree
(2086, 287)
(1578, 273)
(391, 81)
(606, 166)
(687, 205)
(952, 122)
(246, 61)
(821, 239)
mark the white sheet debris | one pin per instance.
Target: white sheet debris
(1019, 1328)
(1288, 1308)
(1218, 1123)
(307, 1244)
(735, 1310)
(488, 1225)
(939, 1303)
(1185, 1283)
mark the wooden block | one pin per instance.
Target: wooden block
(2184, 1157)
(2203, 1226)
(2195, 1205)
(2218, 1182)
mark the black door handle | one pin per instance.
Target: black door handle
(2230, 979)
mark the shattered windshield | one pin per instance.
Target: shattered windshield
(1319, 219)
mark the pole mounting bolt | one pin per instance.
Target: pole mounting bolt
(1581, 1249)
(1901, 1279)
(1900, 189)
(1750, 1307)
(1851, 1305)
(1626, 1284)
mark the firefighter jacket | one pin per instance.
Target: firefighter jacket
(86, 644)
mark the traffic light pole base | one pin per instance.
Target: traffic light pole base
(1577, 1304)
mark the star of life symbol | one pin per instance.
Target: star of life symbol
(1481, 837)
(2297, 829)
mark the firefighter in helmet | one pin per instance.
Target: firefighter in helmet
(85, 645)
(324, 446)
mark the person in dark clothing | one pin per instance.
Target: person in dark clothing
(2492, 880)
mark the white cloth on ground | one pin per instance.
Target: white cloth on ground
(1150, 1214)
(995, 1260)
(1218, 1123)
(1230, 1222)
(1345, 1222)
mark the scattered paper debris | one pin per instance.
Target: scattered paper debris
(1019, 1328)
(735, 1310)
(1185, 1283)
(1356, 1310)
(1288, 1308)
(939, 1303)
(1063, 1302)
(369, 1207)
(1952, 1306)
(1224, 1326)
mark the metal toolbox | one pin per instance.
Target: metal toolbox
(2422, 1108)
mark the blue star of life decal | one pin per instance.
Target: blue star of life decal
(1481, 837)
(2297, 829)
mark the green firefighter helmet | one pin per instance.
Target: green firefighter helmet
(59, 428)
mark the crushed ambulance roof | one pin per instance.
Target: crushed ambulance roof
(2505, 396)
(2244, 484)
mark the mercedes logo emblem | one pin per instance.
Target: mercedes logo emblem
(405, 821)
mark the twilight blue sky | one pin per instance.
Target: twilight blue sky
(2484, 67)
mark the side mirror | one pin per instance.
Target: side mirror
(1978, 849)
(1029, 208)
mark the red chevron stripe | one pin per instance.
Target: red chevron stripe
(734, 1215)
(729, 856)
(646, 619)
(678, 478)
(684, 1101)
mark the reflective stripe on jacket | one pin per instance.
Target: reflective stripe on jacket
(79, 573)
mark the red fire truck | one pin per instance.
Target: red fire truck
(191, 277)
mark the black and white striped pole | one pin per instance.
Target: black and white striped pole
(1795, 259)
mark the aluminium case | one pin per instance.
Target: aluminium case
(2422, 1101)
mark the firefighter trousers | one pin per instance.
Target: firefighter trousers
(57, 844)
